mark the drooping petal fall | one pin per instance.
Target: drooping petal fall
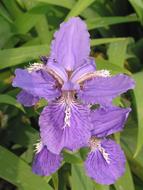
(64, 126)
(71, 46)
(39, 83)
(106, 121)
(106, 163)
(45, 163)
(27, 99)
(102, 90)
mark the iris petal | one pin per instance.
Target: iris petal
(45, 163)
(99, 169)
(71, 46)
(102, 90)
(64, 127)
(109, 120)
(83, 70)
(27, 99)
(39, 84)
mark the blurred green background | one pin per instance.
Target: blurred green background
(26, 30)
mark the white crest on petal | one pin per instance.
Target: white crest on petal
(35, 67)
(38, 146)
(100, 73)
(96, 144)
(67, 116)
(103, 73)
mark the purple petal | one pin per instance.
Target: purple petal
(101, 170)
(102, 90)
(63, 128)
(39, 83)
(45, 163)
(71, 45)
(58, 69)
(107, 121)
(27, 99)
(83, 70)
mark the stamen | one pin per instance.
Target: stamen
(35, 67)
(38, 147)
(96, 144)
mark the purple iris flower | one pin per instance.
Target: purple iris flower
(45, 162)
(70, 83)
(105, 162)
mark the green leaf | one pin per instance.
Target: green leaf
(17, 172)
(117, 52)
(96, 42)
(139, 103)
(6, 99)
(71, 158)
(12, 8)
(62, 3)
(14, 56)
(79, 7)
(126, 181)
(128, 142)
(43, 30)
(105, 64)
(79, 180)
(30, 18)
(99, 22)
(138, 6)
(5, 31)
(5, 15)
(55, 180)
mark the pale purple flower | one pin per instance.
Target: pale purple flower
(45, 162)
(70, 83)
(105, 162)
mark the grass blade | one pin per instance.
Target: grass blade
(16, 171)
(6, 99)
(106, 21)
(117, 52)
(14, 56)
(79, 7)
(139, 103)
(126, 181)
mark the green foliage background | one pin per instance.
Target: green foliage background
(26, 30)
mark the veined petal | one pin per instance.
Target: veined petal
(106, 163)
(57, 69)
(27, 99)
(38, 83)
(45, 163)
(106, 121)
(71, 45)
(83, 70)
(102, 90)
(64, 126)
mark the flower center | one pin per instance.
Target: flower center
(68, 98)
